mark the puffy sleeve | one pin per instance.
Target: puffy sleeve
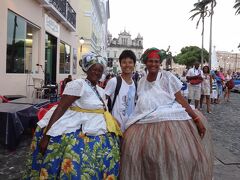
(74, 88)
(175, 84)
(110, 87)
(140, 85)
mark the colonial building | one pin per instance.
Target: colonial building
(117, 45)
(41, 39)
(228, 60)
(37, 41)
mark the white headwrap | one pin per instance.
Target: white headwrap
(90, 59)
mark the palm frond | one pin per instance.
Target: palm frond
(198, 21)
(194, 15)
(237, 6)
(195, 9)
(202, 9)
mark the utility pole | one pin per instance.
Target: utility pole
(210, 38)
(202, 40)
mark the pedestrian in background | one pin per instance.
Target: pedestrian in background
(194, 78)
(206, 88)
(214, 94)
(67, 80)
(164, 137)
(108, 77)
(220, 84)
(136, 77)
(184, 87)
(73, 140)
(229, 84)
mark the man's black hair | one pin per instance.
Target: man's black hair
(127, 54)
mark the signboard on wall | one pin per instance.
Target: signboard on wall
(52, 26)
(74, 70)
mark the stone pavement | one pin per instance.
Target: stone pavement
(225, 124)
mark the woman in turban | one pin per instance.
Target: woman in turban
(166, 139)
(73, 140)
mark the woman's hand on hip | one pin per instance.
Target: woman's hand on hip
(43, 144)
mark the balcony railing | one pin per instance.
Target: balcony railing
(60, 5)
(63, 11)
(71, 15)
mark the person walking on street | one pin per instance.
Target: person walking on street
(220, 83)
(184, 89)
(214, 94)
(136, 77)
(123, 100)
(75, 140)
(229, 84)
(165, 136)
(206, 88)
(194, 77)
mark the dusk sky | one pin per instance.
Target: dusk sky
(163, 23)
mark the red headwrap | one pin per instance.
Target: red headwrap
(154, 54)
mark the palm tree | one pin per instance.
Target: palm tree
(237, 6)
(201, 10)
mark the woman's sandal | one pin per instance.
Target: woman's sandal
(210, 112)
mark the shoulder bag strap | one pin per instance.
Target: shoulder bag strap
(118, 86)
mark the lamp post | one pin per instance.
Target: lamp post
(81, 41)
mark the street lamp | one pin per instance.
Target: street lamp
(81, 41)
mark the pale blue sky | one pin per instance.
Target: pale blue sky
(163, 23)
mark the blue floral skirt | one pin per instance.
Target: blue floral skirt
(74, 156)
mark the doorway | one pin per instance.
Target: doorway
(50, 59)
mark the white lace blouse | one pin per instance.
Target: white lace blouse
(92, 123)
(156, 100)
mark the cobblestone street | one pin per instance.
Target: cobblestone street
(225, 124)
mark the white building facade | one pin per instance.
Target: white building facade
(92, 23)
(123, 42)
(37, 41)
(228, 60)
(40, 39)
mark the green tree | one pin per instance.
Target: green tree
(191, 54)
(237, 7)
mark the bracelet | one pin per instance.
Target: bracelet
(196, 119)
